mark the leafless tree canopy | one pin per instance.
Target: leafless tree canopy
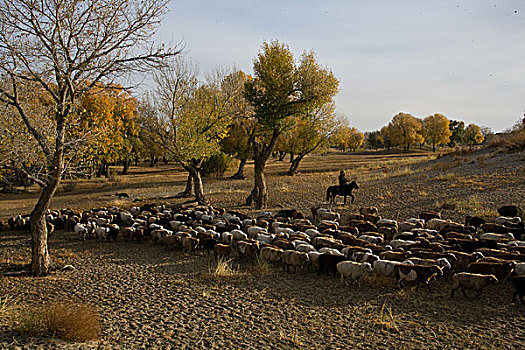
(65, 47)
(62, 49)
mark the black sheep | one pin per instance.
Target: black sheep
(329, 262)
(519, 288)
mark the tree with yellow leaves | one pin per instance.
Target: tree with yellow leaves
(107, 123)
(436, 130)
(194, 116)
(310, 134)
(405, 130)
(346, 136)
(473, 135)
(280, 90)
(238, 141)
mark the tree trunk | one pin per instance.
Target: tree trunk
(125, 168)
(195, 171)
(261, 153)
(282, 154)
(107, 172)
(433, 147)
(292, 155)
(260, 184)
(295, 164)
(239, 175)
(199, 190)
(188, 192)
(40, 259)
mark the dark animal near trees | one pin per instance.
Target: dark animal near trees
(345, 190)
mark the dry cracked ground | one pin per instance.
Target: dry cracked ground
(152, 297)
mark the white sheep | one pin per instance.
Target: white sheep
(387, 267)
(372, 239)
(226, 237)
(519, 268)
(502, 220)
(331, 251)
(312, 232)
(238, 235)
(351, 270)
(265, 238)
(401, 243)
(305, 248)
(252, 231)
(497, 236)
(437, 224)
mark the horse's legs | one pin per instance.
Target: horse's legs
(351, 195)
(344, 203)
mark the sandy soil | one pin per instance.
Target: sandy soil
(152, 297)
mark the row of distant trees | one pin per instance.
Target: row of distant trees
(435, 130)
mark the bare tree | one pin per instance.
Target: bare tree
(67, 47)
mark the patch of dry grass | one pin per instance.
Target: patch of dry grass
(375, 280)
(447, 177)
(405, 171)
(6, 303)
(387, 320)
(223, 268)
(261, 267)
(75, 322)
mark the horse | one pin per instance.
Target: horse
(345, 190)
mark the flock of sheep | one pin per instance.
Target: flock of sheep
(416, 251)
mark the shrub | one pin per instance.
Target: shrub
(512, 141)
(69, 321)
(217, 164)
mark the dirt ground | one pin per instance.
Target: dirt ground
(152, 297)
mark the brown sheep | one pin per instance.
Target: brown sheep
(247, 250)
(372, 218)
(271, 254)
(189, 244)
(368, 210)
(463, 260)
(283, 244)
(500, 270)
(394, 256)
(472, 281)
(294, 258)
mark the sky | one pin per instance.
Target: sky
(465, 59)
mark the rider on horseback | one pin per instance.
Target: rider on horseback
(342, 179)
